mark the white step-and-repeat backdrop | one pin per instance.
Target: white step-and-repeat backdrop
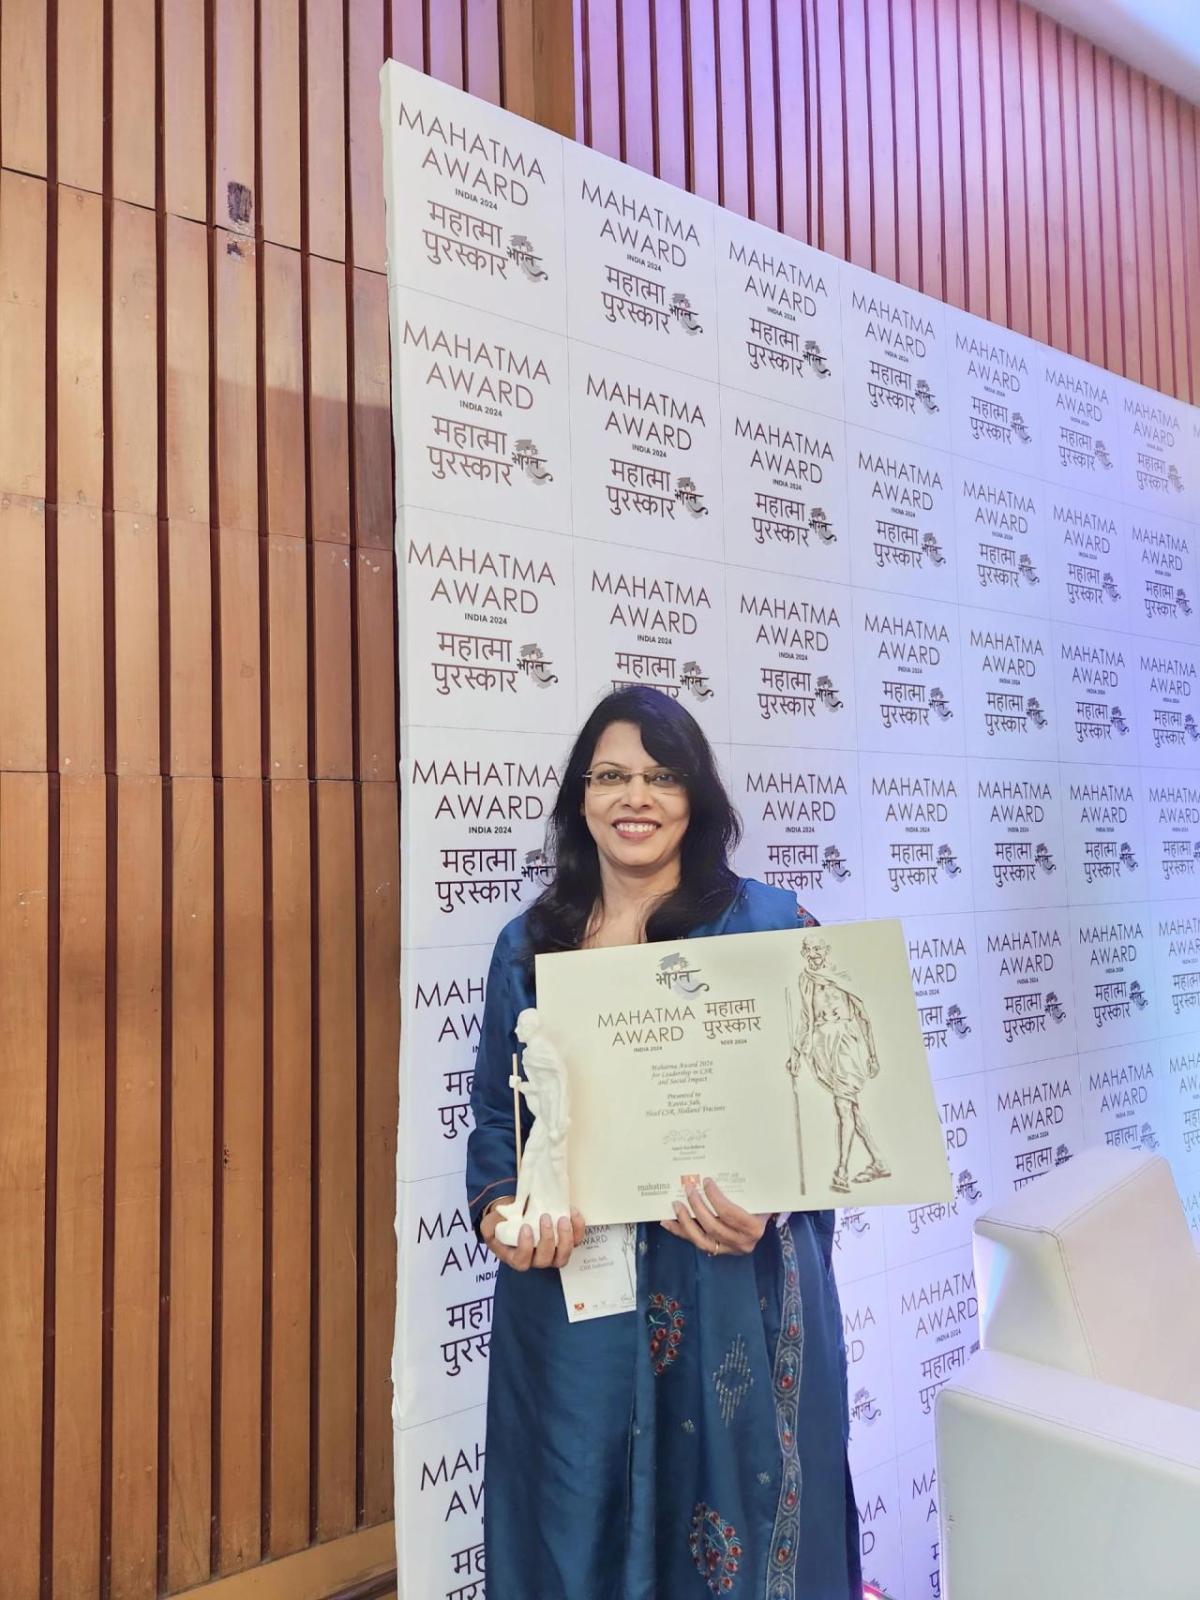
(932, 591)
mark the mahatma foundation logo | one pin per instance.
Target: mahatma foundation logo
(802, 867)
(865, 1408)
(525, 455)
(675, 974)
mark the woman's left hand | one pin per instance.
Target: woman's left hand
(718, 1227)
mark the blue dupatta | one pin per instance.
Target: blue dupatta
(694, 1447)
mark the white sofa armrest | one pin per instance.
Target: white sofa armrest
(1051, 1483)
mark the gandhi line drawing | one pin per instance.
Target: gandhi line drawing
(832, 1037)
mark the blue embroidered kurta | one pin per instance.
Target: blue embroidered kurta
(694, 1446)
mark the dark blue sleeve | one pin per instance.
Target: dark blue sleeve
(491, 1151)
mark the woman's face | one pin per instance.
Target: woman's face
(637, 827)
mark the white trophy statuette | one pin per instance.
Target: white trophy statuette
(542, 1186)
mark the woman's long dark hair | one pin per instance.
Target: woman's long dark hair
(558, 919)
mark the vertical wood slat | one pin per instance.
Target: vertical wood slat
(236, 317)
(884, 154)
(381, 1042)
(336, 1172)
(190, 624)
(1114, 341)
(1013, 145)
(287, 601)
(234, 199)
(1123, 234)
(24, 934)
(238, 1405)
(327, 419)
(279, 122)
(1172, 111)
(1142, 225)
(992, 115)
(372, 412)
(283, 396)
(185, 363)
(334, 725)
(23, 632)
(325, 114)
(930, 149)
(135, 1222)
(81, 621)
(286, 1514)
(734, 173)
(1076, 255)
(909, 236)
(190, 1331)
(671, 126)
(80, 417)
(133, 31)
(23, 88)
(1094, 265)
(134, 360)
(80, 1189)
(79, 47)
(634, 47)
(1160, 252)
(183, 150)
(23, 368)
(365, 199)
(1189, 173)
(135, 560)
(241, 667)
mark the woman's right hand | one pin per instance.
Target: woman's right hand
(551, 1247)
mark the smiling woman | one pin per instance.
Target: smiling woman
(664, 1450)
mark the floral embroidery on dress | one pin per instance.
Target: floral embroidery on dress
(666, 1322)
(715, 1547)
(789, 1365)
(805, 919)
(733, 1379)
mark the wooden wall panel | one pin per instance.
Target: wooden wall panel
(380, 942)
(186, 363)
(83, 1113)
(134, 298)
(238, 1399)
(135, 645)
(367, 52)
(23, 630)
(80, 71)
(198, 901)
(80, 367)
(137, 1172)
(279, 88)
(184, 126)
(234, 200)
(288, 1147)
(23, 366)
(189, 605)
(336, 1172)
(325, 190)
(974, 149)
(186, 1462)
(283, 396)
(23, 87)
(24, 938)
(133, 154)
(287, 624)
(80, 708)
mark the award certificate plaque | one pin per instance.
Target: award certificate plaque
(789, 1067)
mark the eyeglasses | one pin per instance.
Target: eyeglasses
(663, 780)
